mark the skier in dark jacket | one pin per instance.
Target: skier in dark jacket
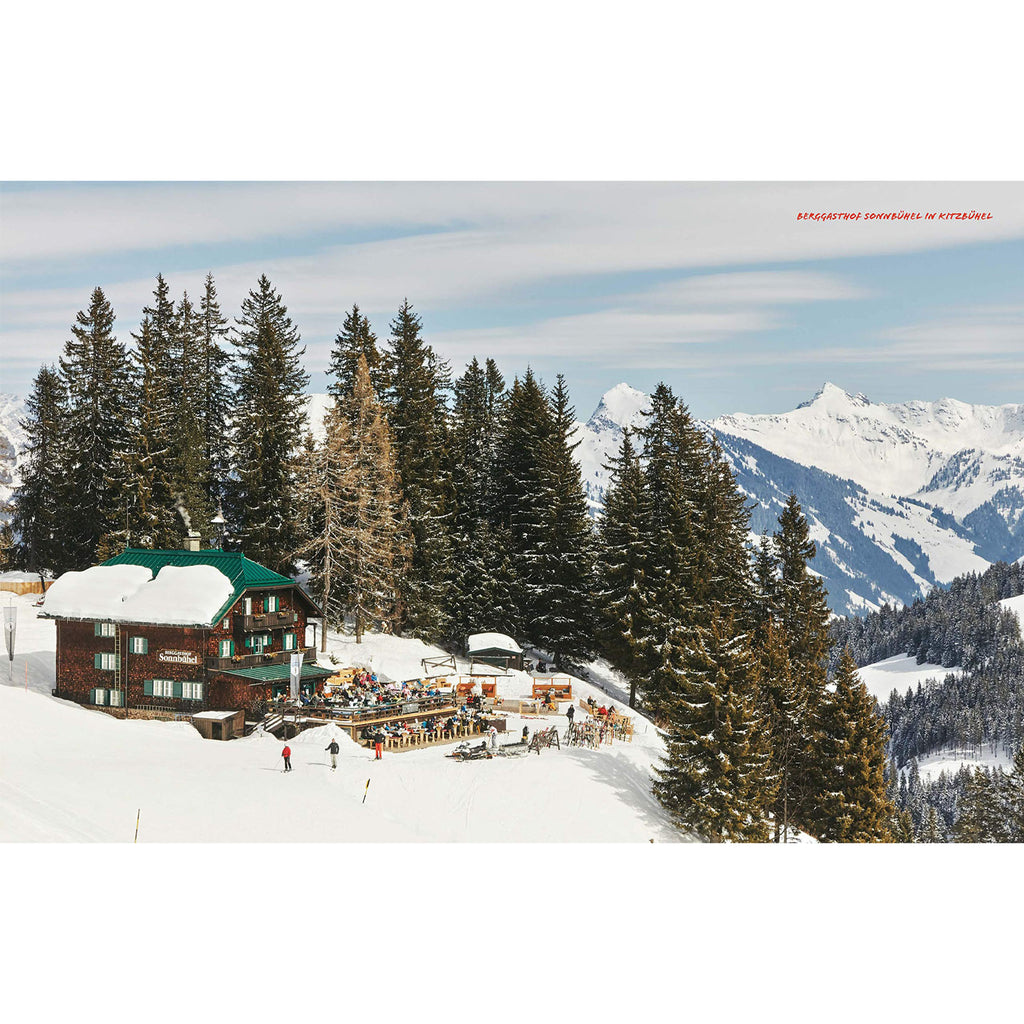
(569, 713)
(378, 746)
(287, 755)
(333, 748)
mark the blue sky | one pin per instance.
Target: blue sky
(714, 288)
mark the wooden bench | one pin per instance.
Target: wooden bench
(560, 691)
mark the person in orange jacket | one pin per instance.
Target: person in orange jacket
(287, 755)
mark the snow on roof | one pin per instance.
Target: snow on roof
(94, 593)
(485, 641)
(215, 715)
(177, 596)
(17, 576)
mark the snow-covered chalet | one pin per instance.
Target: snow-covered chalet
(179, 631)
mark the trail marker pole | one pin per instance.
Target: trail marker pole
(138, 814)
(365, 791)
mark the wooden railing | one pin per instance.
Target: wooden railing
(268, 620)
(217, 664)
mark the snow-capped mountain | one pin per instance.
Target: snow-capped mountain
(898, 497)
(955, 456)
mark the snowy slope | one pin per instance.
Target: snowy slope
(68, 774)
(900, 673)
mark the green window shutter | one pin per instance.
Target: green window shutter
(147, 687)
(248, 641)
(176, 692)
(231, 648)
(96, 631)
(145, 645)
(92, 696)
(97, 661)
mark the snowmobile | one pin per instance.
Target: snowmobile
(464, 752)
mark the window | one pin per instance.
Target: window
(226, 648)
(105, 628)
(98, 696)
(163, 687)
(226, 624)
(115, 698)
(192, 691)
(105, 661)
(138, 645)
(248, 606)
(273, 603)
(289, 642)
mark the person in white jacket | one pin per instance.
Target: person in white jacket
(493, 733)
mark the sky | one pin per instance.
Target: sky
(717, 289)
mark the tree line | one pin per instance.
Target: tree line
(437, 506)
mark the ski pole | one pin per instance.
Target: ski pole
(365, 791)
(138, 814)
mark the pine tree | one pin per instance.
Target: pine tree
(852, 805)
(361, 548)
(215, 397)
(479, 598)
(39, 503)
(268, 428)
(713, 778)
(932, 831)
(565, 581)
(1012, 800)
(416, 410)
(801, 610)
(355, 339)
(978, 814)
(785, 717)
(97, 380)
(621, 587)
(193, 474)
(520, 495)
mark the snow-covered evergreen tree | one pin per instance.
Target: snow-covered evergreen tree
(355, 339)
(267, 430)
(851, 805)
(713, 777)
(621, 590)
(416, 408)
(97, 379)
(39, 503)
(215, 392)
(565, 619)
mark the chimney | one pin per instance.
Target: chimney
(192, 541)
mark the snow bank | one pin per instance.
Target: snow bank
(178, 596)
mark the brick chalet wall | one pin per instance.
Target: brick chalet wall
(174, 652)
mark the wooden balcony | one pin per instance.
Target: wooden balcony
(268, 620)
(257, 660)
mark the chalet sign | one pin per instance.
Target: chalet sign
(180, 657)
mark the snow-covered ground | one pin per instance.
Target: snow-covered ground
(899, 673)
(1015, 605)
(71, 774)
(932, 765)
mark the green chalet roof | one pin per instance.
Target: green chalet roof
(244, 573)
(277, 673)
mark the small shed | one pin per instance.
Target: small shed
(219, 725)
(495, 649)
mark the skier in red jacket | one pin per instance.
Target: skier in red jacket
(287, 755)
